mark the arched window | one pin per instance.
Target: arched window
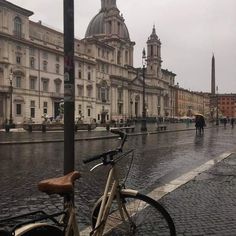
(103, 92)
(151, 50)
(17, 27)
(118, 57)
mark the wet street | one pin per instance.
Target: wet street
(158, 158)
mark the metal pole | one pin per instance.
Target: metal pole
(217, 108)
(69, 87)
(144, 122)
(11, 91)
(131, 106)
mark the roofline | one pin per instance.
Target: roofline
(168, 72)
(16, 8)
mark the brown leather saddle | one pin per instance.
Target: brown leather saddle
(61, 185)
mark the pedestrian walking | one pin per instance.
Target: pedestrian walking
(200, 123)
(232, 122)
(225, 122)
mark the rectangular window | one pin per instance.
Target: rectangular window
(32, 83)
(120, 95)
(45, 85)
(45, 65)
(57, 58)
(58, 87)
(45, 108)
(89, 75)
(32, 109)
(80, 91)
(57, 68)
(32, 62)
(120, 108)
(80, 74)
(80, 109)
(18, 59)
(18, 109)
(89, 112)
(31, 51)
(18, 82)
(102, 67)
(103, 94)
(89, 92)
(45, 55)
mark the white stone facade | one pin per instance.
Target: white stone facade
(107, 86)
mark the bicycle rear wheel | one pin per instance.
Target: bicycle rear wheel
(143, 216)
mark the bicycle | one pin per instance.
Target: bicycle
(119, 211)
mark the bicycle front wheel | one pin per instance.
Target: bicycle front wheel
(141, 216)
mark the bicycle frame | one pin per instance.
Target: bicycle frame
(71, 222)
(107, 199)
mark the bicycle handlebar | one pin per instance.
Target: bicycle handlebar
(110, 153)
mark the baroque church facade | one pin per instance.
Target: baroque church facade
(107, 85)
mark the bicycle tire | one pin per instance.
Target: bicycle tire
(150, 218)
(42, 230)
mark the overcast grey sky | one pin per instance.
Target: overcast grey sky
(190, 31)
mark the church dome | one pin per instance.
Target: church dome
(101, 24)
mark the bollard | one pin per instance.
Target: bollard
(89, 127)
(30, 129)
(7, 128)
(43, 128)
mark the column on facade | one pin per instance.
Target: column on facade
(126, 103)
(113, 102)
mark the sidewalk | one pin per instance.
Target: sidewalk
(206, 205)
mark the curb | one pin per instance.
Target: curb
(96, 138)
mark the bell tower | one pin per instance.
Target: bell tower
(154, 55)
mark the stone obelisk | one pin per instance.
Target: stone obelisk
(213, 81)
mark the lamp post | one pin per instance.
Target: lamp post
(217, 108)
(11, 91)
(144, 121)
(131, 106)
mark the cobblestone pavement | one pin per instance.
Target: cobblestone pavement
(206, 205)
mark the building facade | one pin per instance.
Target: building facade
(189, 103)
(107, 85)
(227, 105)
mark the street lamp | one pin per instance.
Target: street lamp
(11, 91)
(217, 108)
(131, 106)
(144, 121)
